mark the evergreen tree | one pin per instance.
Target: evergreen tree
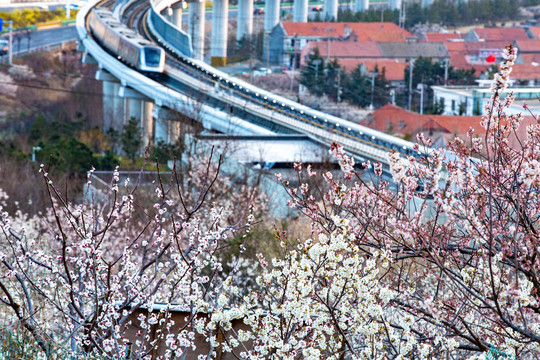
(131, 138)
(312, 75)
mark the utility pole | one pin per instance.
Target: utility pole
(268, 52)
(445, 72)
(372, 75)
(339, 86)
(328, 30)
(10, 58)
(411, 64)
(420, 88)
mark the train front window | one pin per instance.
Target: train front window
(152, 57)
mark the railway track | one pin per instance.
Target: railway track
(189, 76)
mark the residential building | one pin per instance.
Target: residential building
(414, 50)
(407, 124)
(440, 128)
(394, 71)
(479, 55)
(471, 100)
(287, 39)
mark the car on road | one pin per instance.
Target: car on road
(258, 11)
(317, 8)
(262, 72)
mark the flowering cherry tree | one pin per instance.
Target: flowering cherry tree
(446, 265)
(77, 275)
(440, 263)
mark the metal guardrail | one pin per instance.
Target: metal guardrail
(168, 32)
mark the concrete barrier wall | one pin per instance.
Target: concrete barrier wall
(166, 31)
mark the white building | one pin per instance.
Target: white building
(470, 100)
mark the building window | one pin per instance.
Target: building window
(453, 105)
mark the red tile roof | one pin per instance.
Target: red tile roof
(441, 37)
(526, 71)
(474, 46)
(402, 121)
(459, 125)
(345, 49)
(394, 118)
(364, 31)
(535, 30)
(530, 58)
(529, 45)
(501, 34)
(394, 70)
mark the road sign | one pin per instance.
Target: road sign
(1, 24)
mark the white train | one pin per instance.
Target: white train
(124, 43)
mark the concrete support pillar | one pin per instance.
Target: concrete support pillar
(108, 105)
(271, 15)
(147, 123)
(160, 125)
(395, 4)
(245, 19)
(361, 5)
(167, 13)
(218, 44)
(300, 11)
(271, 19)
(330, 10)
(175, 130)
(196, 28)
(176, 18)
(134, 109)
(118, 109)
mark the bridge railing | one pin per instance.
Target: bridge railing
(168, 33)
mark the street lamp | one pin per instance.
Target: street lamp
(372, 75)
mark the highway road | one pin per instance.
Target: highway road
(33, 40)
